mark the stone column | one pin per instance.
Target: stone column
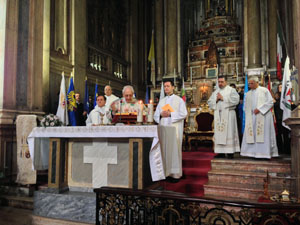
(35, 57)
(159, 38)
(294, 124)
(79, 45)
(296, 25)
(254, 34)
(171, 37)
(272, 32)
(8, 58)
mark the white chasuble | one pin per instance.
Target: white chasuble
(176, 120)
(95, 116)
(225, 122)
(259, 138)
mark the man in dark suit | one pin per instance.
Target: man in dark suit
(80, 114)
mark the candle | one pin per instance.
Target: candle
(150, 112)
(140, 112)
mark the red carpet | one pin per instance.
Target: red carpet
(195, 166)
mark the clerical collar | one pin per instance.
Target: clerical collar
(170, 95)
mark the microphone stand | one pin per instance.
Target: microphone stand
(120, 117)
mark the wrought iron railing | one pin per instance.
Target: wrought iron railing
(125, 206)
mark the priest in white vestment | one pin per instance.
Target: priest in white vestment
(109, 96)
(223, 101)
(259, 140)
(171, 111)
(127, 104)
(99, 115)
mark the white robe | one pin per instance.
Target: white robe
(125, 107)
(109, 100)
(94, 116)
(176, 120)
(261, 99)
(225, 123)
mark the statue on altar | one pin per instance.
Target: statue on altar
(212, 56)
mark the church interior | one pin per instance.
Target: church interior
(112, 174)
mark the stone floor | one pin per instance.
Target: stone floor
(15, 216)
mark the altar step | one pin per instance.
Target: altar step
(244, 178)
(17, 197)
(195, 166)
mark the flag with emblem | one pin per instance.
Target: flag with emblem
(244, 114)
(62, 112)
(71, 103)
(286, 93)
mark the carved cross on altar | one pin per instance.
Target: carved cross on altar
(100, 155)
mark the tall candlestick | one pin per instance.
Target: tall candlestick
(150, 112)
(140, 112)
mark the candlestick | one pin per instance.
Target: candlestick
(150, 112)
(140, 112)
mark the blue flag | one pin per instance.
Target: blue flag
(86, 103)
(96, 95)
(71, 103)
(147, 95)
(245, 92)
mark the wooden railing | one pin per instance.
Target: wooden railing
(127, 206)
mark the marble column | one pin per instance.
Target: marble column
(79, 44)
(294, 124)
(35, 56)
(272, 33)
(46, 56)
(8, 59)
(296, 25)
(171, 38)
(159, 38)
(254, 34)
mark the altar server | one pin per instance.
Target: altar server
(109, 96)
(171, 111)
(223, 101)
(99, 115)
(259, 140)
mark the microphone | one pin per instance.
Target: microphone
(120, 117)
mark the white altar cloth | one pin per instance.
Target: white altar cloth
(155, 157)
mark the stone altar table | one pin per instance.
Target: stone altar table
(90, 157)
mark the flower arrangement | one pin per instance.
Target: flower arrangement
(51, 121)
